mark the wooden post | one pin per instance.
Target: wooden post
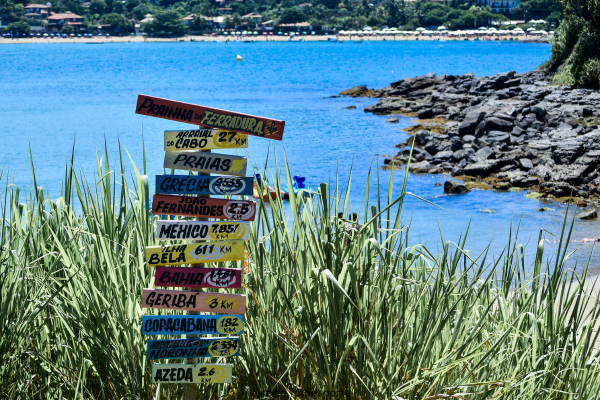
(190, 390)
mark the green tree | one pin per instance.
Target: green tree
(98, 7)
(199, 23)
(292, 15)
(117, 22)
(18, 28)
(139, 12)
(396, 12)
(68, 29)
(239, 8)
(166, 22)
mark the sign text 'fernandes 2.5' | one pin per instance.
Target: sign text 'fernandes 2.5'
(193, 324)
(209, 117)
(223, 303)
(189, 206)
(195, 253)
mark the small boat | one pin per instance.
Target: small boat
(298, 186)
(332, 39)
(267, 197)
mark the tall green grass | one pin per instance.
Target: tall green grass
(336, 306)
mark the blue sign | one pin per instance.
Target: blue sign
(191, 348)
(194, 324)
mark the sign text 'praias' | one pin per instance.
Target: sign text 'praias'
(209, 163)
(209, 117)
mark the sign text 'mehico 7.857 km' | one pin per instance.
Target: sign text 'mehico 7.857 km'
(189, 150)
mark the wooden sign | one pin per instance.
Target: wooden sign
(221, 303)
(191, 206)
(209, 163)
(197, 184)
(191, 373)
(204, 139)
(193, 324)
(195, 253)
(202, 230)
(209, 117)
(221, 278)
(190, 348)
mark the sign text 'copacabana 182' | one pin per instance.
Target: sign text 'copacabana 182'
(193, 324)
(222, 303)
(191, 206)
(209, 163)
(218, 278)
(204, 139)
(191, 348)
(209, 117)
(195, 253)
(198, 184)
(202, 230)
(191, 373)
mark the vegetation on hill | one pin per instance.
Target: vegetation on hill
(339, 306)
(576, 47)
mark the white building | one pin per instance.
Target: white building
(502, 7)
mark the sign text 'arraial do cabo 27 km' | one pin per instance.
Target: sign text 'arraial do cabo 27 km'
(219, 229)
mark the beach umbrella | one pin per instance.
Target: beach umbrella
(442, 28)
(255, 33)
(313, 33)
(530, 29)
(264, 33)
(132, 34)
(31, 34)
(280, 33)
(225, 33)
(420, 29)
(270, 33)
(305, 33)
(79, 35)
(45, 35)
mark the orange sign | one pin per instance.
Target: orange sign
(209, 117)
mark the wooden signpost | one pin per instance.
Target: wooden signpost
(206, 162)
(188, 206)
(209, 117)
(191, 373)
(215, 278)
(195, 253)
(190, 348)
(204, 139)
(194, 301)
(196, 184)
(189, 196)
(202, 230)
(193, 324)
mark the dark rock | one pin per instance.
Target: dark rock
(572, 121)
(496, 137)
(443, 155)
(455, 187)
(456, 144)
(526, 123)
(485, 168)
(425, 114)
(393, 120)
(497, 124)
(542, 171)
(517, 131)
(568, 173)
(483, 153)
(459, 155)
(356, 91)
(590, 214)
(350, 108)
(470, 122)
(468, 139)
(586, 112)
(422, 137)
(538, 111)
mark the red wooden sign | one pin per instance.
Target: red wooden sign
(222, 278)
(190, 206)
(209, 117)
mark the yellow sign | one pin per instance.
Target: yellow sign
(197, 253)
(210, 163)
(204, 139)
(191, 373)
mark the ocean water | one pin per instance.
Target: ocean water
(54, 93)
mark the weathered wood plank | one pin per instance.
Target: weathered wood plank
(221, 303)
(193, 324)
(196, 347)
(191, 373)
(189, 206)
(195, 253)
(209, 117)
(209, 163)
(197, 184)
(219, 278)
(204, 139)
(202, 230)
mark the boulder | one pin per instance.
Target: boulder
(470, 122)
(455, 187)
(526, 163)
(586, 112)
(541, 171)
(483, 153)
(590, 214)
(425, 114)
(356, 91)
(496, 137)
(468, 139)
(568, 173)
(393, 120)
(485, 168)
(443, 155)
(497, 124)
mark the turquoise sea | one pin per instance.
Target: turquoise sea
(53, 93)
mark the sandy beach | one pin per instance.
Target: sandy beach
(270, 38)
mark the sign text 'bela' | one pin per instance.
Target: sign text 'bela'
(209, 163)
(204, 139)
(191, 348)
(196, 184)
(203, 230)
(189, 206)
(193, 324)
(196, 253)
(221, 303)
(191, 373)
(209, 117)
(221, 278)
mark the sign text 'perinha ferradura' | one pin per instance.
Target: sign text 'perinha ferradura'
(210, 117)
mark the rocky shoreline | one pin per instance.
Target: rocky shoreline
(504, 132)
